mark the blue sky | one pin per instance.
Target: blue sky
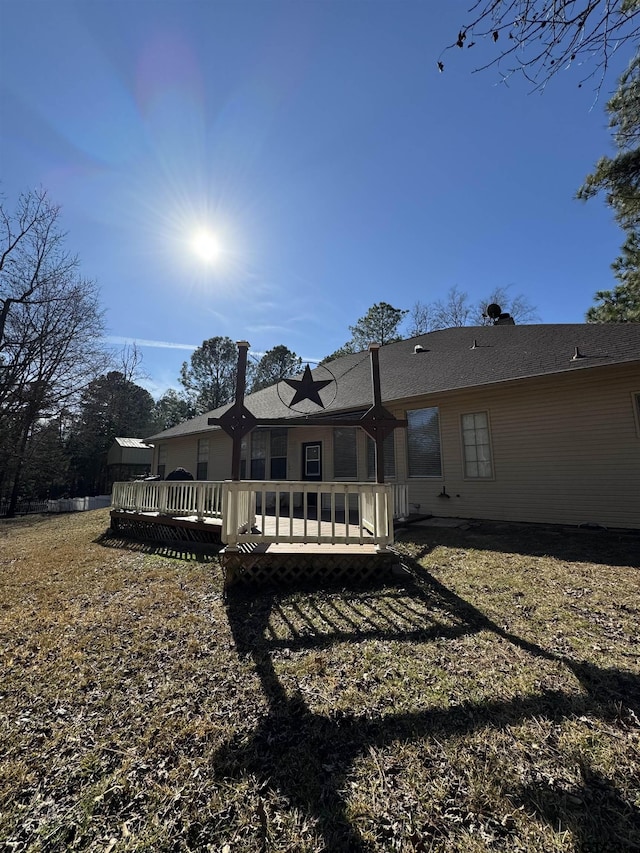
(320, 144)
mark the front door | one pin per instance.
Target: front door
(312, 465)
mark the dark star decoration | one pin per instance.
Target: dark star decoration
(307, 388)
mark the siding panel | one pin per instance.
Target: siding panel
(565, 450)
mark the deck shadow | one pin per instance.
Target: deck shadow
(307, 757)
(186, 551)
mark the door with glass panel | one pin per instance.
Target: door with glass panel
(312, 466)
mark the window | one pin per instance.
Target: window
(162, 460)
(312, 461)
(259, 438)
(476, 447)
(389, 458)
(345, 459)
(278, 451)
(423, 443)
(636, 410)
(244, 453)
(202, 468)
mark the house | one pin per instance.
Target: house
(533, 423)
(128, 458)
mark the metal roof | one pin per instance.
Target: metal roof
(139, 443)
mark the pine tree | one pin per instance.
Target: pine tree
(618, 177)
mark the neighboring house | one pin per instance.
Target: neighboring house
(535, 423)
(128, 458)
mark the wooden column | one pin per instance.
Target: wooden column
(241, 383)
(377, 404)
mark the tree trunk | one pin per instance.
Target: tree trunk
(15, 491)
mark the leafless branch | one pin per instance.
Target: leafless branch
(538, 38)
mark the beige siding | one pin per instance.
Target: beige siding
(298, 437)
(565, 450)
(183, 453)
(220, 446)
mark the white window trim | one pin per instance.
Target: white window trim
(462, 455)
(635, 402)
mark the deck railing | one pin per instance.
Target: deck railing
(176, 498)
(400, 501)
(276, 511)
(307, 512)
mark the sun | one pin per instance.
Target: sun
(206, 246)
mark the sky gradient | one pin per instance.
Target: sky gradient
(319, 142)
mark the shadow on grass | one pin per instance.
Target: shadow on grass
(599, 817)
(307, 757)
(606, 547)
(186, 551)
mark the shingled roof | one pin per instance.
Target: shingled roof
(450, 359)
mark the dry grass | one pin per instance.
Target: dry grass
(489, 700)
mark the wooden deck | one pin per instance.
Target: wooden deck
(256, 564)
(152, 526)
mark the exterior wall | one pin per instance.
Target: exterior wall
(565, 450)
(129, 455)
(220, 446)
(183, 453)
(303, 435)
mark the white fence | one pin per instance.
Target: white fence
(78, 504)
(177, 498)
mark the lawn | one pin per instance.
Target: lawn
(488, 699)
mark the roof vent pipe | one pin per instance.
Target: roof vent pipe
(577, 355)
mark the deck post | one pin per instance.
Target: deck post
(381, 515)
(377, 403)
(200, 501)
(230, 516)
(241, 379)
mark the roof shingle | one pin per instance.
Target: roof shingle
(457, 358)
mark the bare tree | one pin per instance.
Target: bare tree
(32, 253)
(420, 319)
(52, 351)
(50, 330)
(453, 311)
(538, 38)
(129, 363)
(517, 305)
(456, 310)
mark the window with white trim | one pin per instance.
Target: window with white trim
(202, 468)
(424, 456)
(345, 459)
(476, 446)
